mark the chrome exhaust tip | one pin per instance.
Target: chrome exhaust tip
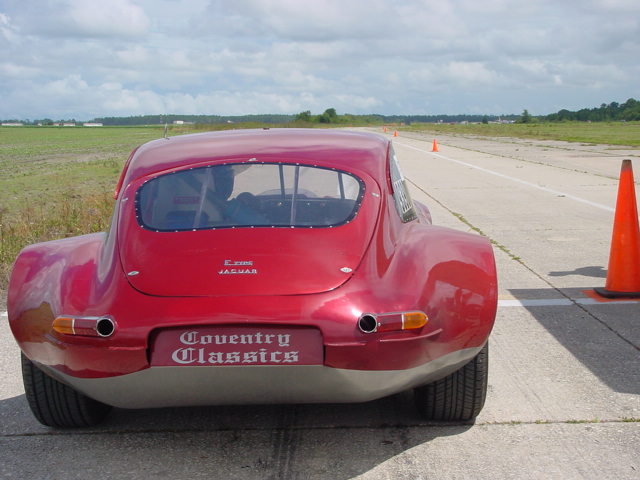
(105, 327)
(368, 323)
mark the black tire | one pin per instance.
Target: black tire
(57, 405)
(460, 395)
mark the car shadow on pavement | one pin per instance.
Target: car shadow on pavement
(259, 441)
(602, 336)
(592, 271)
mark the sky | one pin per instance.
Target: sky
(83, 59)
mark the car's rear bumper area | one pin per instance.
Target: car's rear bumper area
(207, 385)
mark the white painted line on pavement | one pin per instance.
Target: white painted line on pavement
(513, 179)
(560, 302)
(4, 314)
(547, 302)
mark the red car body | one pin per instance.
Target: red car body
(259, 311)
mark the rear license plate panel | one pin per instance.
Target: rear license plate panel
(237, 346)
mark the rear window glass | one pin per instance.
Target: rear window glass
(249, 195)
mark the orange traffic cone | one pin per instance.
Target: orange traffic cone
(435, 146)
(395, 134)
(385, 129)
(623, 276)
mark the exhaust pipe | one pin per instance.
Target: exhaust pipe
(105, 327)
(368, 323)
(85, 326)
(387, 322)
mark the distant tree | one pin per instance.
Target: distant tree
(329, 116)
(525, 117)
(630, 110)
(304, 116)
(583, 115)
(331, 113)
(485, 120)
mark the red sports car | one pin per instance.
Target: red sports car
(256, 266)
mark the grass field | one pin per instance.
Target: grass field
(52, 161)
(614, 133)
(57, 182)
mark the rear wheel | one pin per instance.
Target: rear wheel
(459, 396)
(57, 405)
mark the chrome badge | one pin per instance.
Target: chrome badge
(238, 267)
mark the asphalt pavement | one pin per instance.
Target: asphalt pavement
(564, 384)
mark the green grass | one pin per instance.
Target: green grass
(57, 181)
(40, 160)
(613, 133)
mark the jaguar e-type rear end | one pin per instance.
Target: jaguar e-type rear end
(272, 266)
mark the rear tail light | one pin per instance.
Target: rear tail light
(387, 322)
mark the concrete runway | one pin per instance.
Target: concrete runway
(564, 385)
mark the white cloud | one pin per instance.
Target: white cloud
(71, 85)
(134, 55)
(7, 30)
(292, 19)
(12, 70)
(91, 58)
(471, 73)
(80, 18)
(107, 19)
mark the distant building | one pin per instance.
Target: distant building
(93, 124)
(68, 124)
(178, 122)
(12, 124)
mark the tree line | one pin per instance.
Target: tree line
(627, 111)
(330, 116)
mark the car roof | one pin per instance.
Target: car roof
(340, 149)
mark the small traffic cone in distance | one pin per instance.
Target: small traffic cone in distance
(435, 146)
(395, 134)
(623, 275)
(385, 129)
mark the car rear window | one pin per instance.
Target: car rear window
(249, 195)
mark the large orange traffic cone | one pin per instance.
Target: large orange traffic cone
(395, 134)
(435, 146)
(623, 276)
